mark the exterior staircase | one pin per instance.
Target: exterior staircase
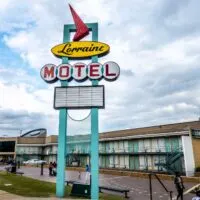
(171, 158)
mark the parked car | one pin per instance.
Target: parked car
(34, 161)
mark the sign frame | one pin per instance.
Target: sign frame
(62, 139)
(67, 49)
(81, 107)
(104, 72)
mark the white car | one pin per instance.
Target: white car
(34, 161)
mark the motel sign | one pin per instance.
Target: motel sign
(79, 97)
(80, 71)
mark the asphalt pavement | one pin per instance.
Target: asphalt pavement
(139, 187)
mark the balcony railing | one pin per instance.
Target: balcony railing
(28, 152)
(78, 151)
(146, 149)
(125, 150)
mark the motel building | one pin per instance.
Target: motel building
(163, 148)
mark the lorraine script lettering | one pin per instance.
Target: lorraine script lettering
(68, 50)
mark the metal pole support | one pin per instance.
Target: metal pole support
(170, 193)
(42, 169)
(90, 181)
(150, 187)
(18, 164)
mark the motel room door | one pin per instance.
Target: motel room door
(105, 161)
(133, 146)
(134, 162)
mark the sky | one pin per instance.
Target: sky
(156, 44)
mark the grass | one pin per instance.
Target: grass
(29, 187)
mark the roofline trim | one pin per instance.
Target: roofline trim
(146, 136)
(123, 138)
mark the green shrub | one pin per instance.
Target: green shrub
(197, 169)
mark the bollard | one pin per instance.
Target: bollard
(150, 187)
(42, 167)
(18, 164)
(170, 195)
(90, 180)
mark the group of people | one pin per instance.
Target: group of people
(12, 167)
(52, 169)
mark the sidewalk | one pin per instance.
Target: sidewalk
(8, 196)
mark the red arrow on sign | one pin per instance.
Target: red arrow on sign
(81, 28)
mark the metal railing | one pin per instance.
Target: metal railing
(144, 167)
(78, 151)
(146, 149)
(161, 183)
(28, 152)
(170, 159)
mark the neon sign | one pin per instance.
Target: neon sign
(80, 71)
(81, 49)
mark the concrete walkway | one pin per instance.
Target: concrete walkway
(8, 196)
(139, 187)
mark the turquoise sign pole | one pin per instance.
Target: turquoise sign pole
(94, 132)
(61, 160)
(62, 138)
(51, 72)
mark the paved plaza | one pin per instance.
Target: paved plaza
(8, 196)
(139, 187)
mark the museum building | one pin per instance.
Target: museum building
(164, 148)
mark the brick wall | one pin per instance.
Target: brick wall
(196, 150)
(52, 139)
(31, 140)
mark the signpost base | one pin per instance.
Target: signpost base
(60, 179)
(81, 190)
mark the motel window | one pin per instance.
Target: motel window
(7, 146)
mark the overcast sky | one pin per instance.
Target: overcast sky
(156, 44)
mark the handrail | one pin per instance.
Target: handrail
(150, 186)
(161, 183)
(171, 154)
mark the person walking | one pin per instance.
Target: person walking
(14, 167)
(87, 176)
(50, 168)
(79, 175)
(54, 164)
(178, 181)
(54, 169)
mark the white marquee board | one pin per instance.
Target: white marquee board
(79, 97)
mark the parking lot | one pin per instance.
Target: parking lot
(139, 187)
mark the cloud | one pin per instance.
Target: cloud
(12, 122)
(156, 44)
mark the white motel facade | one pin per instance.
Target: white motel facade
(163, 148)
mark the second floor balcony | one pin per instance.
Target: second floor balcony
(140, 150)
